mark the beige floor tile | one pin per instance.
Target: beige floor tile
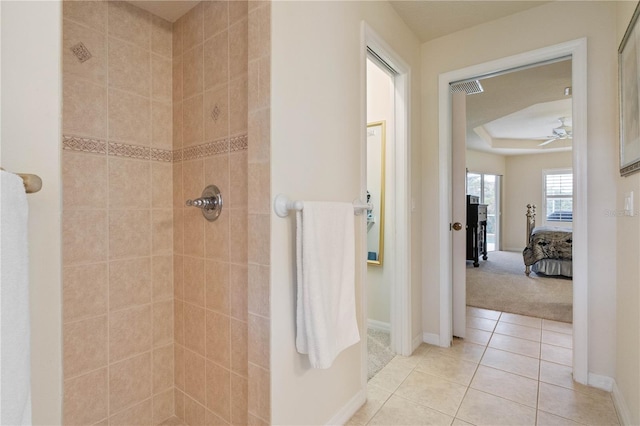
(506, 385)
(557, 339)
(515, 345)
(519, 331)
(458, 422)
(548, 419)
(482, 313)
(577, 406)
(479, 337)
(521, 320)
(449, 368)
(556, 354)
(463, 350)
(560, 327)
(511, 363)
(481, 323)
(376, 397)
(406, 361)
(399, 411)
(562, 375)
(433, 392)
(480, 408)
(391, 376)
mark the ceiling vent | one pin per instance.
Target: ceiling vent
(469, 87)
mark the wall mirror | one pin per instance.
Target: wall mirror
(376, 135)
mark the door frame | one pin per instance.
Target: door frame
(400, 300)
(577, 49)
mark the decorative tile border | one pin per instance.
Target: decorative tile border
(97, 146)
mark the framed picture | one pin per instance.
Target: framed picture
(628, 67)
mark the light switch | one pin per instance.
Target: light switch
(628, 204)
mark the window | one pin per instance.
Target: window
(558, 195)
(487, 189)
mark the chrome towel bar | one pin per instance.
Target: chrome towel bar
(282, 205)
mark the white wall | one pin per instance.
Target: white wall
(317, 136)
(30, 143)
(522, 186)
(532, 29)
(486, 162)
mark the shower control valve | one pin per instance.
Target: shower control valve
(210, 202)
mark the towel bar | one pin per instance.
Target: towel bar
(32, 183)
(282, 205)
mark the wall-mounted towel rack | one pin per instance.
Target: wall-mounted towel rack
(282, 205)
(32, 183)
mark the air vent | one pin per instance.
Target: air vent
(469, 87)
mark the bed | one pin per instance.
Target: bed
(549, 249)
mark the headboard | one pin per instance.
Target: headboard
(531, 220)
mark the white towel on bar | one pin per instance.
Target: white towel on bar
(15, 352)
(326, 308)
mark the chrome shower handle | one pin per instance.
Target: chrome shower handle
(203, 202)
(210, 202)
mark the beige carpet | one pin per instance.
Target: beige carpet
(499, 283)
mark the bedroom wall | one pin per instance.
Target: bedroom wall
(522, 186)
(532, 29)
(486, 162)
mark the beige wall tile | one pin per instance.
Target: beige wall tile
(178, 198)
(129, 67)
(239, 237)
(86, 398)
(129, 283)
(215, 17)
(259, 188)
(194, 413)
(259, 392)
(178, 369)
(129, 118)
(179, 404)
(237, 10)
(254, 420)
(219, 390)
(194, 328)
(238, 105)
(161, 188)
(126, 177)
(84, 179)
(193, 30)
(217, 238)
(194, 224)
(163, 406)
(238, 179)
(161, 125)
(177, 125)
(264, 93)
(239, 347)
(216, 60)
(238, 48)
(129, 382)
(216, 171)
(259, 239)
(91, 14)
(194, 365)
(259, 290)
(218, 331)
(84, 236)
(193, 178)
(178, 321)
(213, 419)
(85, 346)
(177, 79)
(139, 414)
(178, 277)
(162, 231)
(192, 78)
(259, 30)
(162, 277)
(95, 68)
(194, 281)
(178, 231)
(130, 23)
(176, 42)
(258, 341)
(162, 323)
(239, 399)
(239, 287)
(161, 36)
(217, 286)
(130, 332)
(259, 136)
(129, 233)
(84, 291)
(192, 125)
(84, 108)
(163, 368)
(216, 113)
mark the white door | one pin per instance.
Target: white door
(459, 214)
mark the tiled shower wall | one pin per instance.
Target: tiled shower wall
(117, 215)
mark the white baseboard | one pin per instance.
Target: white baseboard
(379, 325)
(346, 412)
(431, 338)
(621, 405)
(415, 342)
(600, 382)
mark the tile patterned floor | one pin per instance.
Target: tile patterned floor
(509, 370)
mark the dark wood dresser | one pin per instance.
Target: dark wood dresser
(476, 230)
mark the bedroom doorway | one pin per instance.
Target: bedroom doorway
(576, 51)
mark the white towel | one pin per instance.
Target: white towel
(15, 352)
(326, 309)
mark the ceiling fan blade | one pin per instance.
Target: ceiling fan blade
(547, 142)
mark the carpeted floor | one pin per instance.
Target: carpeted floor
(379, 354)
(500, 284)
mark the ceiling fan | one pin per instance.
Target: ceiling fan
(559, 133)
